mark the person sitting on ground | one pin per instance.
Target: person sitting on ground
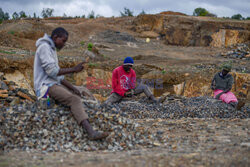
(49, 79)
(124, 84)
(222, 84)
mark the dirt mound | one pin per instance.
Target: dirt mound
(8, 40)
(173, 13)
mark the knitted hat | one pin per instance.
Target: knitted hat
(227, 66)
(128, 61)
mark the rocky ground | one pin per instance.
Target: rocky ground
(189, 129)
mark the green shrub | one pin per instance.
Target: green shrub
(11, 32)
(82, 43)
(92, 65)
(90, 46)
(237, 17)
(127, 12)
(91, 15)
(200, 12)
(7, 52)
(163, 71)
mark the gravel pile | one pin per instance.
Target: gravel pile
(29, 127)
(174, 108)
(240, 51)
(116, 37)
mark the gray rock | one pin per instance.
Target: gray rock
(3, 86)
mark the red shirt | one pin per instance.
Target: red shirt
(122, 81)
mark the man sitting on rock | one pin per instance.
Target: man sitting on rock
(49, 79)
(222, 84)
(124, 84)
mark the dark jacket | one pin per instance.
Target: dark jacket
(224, 83)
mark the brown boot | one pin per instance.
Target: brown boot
(93, 135)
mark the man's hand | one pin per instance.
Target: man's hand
(212, 87)
(218, 96)
(79, 67)
(129, 93)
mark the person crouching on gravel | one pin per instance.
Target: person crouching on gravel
(124, 84)
(49, 79)
(222, 84)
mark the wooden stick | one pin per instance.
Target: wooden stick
(4, 95)
(23, 95)
(3, 91)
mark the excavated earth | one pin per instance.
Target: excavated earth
(189, 129)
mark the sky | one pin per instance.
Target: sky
(109, 8)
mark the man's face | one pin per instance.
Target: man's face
(60, 41)
(127, 68)
(224, 72)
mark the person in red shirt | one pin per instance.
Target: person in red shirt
(124, 84)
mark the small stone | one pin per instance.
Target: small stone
(245, 144)
(3, 85)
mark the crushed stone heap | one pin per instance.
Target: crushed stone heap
(29, 127)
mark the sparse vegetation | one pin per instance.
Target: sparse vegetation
(47, 12)
(142, 12)
(7, 52)
(3, 16)
(82, 43)
(92, 65)
(11, 32)
(90, 46)
(91, 15)
(127, 12)
(22, 14)
(200, 12)
(163, 71)
(203, 12)
(237, 17)
(104, 56)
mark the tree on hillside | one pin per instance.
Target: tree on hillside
(248, 18)
(15, 16)
(22, 14)
(237, 17)
(47, 12)
(4, 16)
(127, 12)
(98, 16)
(142, 12)
(34, 15)
(91, 15)
(200, 12)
